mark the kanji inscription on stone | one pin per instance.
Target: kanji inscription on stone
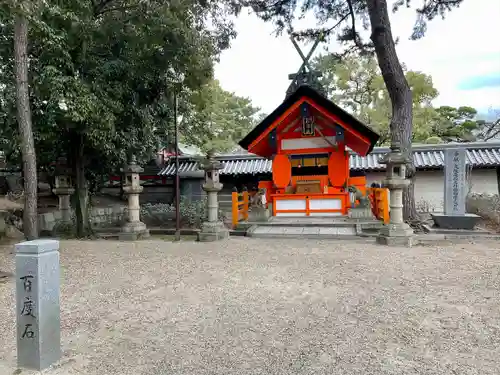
(37, 308)
(455, 187)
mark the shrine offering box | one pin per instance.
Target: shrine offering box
(304, 187)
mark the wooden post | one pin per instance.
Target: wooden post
(384, 203)
(235, 208)
(245, 205)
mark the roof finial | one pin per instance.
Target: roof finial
(306, 75)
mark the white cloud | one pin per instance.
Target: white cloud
(463, 45)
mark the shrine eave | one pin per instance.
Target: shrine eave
(325, 103)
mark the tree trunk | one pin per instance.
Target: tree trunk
(81, 190)
(30, 217)
(401, 125)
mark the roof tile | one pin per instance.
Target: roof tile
(484, 156)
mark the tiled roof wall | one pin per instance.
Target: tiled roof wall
(423, 156)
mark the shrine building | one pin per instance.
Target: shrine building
(308, 139)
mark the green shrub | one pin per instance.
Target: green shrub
(193, 213)
(487, 206)
(64, 230)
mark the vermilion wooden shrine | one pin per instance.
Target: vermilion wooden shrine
(308, 137)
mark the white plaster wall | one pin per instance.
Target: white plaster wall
(429, 186)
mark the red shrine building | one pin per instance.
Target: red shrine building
(308, 137)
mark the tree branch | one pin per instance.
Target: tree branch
(351, 13)
(98, 7)
(122, 8)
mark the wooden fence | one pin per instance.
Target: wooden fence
(379, 198)
(240, 207)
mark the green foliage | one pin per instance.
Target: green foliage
(64, 230)
(487, 206)
(193, 213)
(356, 84)
(457, 124)
(216, 119)
(101, 73)
(341, 18)
(433, 140)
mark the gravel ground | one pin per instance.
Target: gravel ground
(249, 306)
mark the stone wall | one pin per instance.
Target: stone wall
(150, 194)
(429, 186)
(99, 217)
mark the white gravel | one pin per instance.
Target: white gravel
(249, 306)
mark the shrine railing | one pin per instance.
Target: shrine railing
(240, 203)
(379, 199)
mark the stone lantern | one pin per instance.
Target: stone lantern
(213, 229)
(63, 188)
(397, 232)
(134, 228)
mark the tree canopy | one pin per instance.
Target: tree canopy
(356, 84)
(103, 72)
(217, 119)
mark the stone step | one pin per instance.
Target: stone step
(321, 222)
(343, 232)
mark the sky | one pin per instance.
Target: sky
(461, 53)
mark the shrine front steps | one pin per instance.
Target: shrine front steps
(314, 228)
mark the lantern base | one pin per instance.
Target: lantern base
(396, 235)
(133, 231)
(211, 232)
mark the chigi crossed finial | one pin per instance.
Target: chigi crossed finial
(306, 75)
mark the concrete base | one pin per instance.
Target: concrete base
(459, 232)
(396, 235)
(259, 214)
(133, 231)
(360, 213)
(395, 241)
(211, 232)
(444, 221)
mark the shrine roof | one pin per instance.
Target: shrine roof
(321, 100)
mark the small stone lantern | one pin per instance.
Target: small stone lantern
(134, 228)
(212, 229)
(397, 232)
(63, 188)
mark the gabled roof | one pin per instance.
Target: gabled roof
(317, 97)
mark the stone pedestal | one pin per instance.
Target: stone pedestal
(37, 310)
(397, 232)
(360, 213)
(63, 189)
(213, 229)
(134, 228)
(455, 193)
(259, 213)
(64, 195)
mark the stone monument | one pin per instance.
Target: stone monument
(455, 193)
(63, 189)
(37, 308)
(134, 228)
(213, 229)
(397, 232)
